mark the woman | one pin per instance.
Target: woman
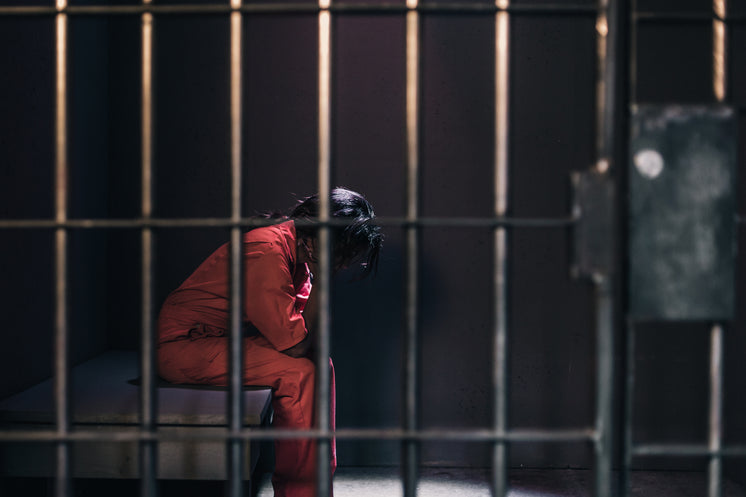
(280, 307)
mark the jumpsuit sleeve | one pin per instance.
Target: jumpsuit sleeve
(270, 295)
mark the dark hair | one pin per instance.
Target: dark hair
(360, 237)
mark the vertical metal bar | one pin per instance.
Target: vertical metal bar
(148, 394)
(714, 470)
(323, 482)
(629, 411)
(411, 448)
(719, 51)
(605, 83)
(607, 36)
(235, 460)
(63, 481)
(500, 371)
(632, 51)
(604, 386)
(630, 337)
(720, 90)
(622, 39)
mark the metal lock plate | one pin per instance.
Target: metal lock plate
(593, 235)
(682, 208)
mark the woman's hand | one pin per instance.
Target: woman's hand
(300, 349)
(310, 315)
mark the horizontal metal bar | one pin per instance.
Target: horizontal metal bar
(513, 436)
(688, 450)
(704, 16)
(739, 107)
(204, 222)
(312, 8)
(359, 8)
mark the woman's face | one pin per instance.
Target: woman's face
(308, 252)
(355, 261)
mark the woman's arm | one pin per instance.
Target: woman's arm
(310, 313)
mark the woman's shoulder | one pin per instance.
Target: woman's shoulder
(281, 235)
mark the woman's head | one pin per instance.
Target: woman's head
(358, 239)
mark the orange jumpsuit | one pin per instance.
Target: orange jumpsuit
(193, 348)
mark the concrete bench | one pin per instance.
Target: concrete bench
(104, 397)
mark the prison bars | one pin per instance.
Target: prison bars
(714, 449)
(421, 435)
(148, 463)
(411, 457)
(360, 8)
(310, 7)
(235, 407)
(412, 222)
(715, 431)
(61, 335)
(500, 347)
(206, 222)
(410, 449)
(607, 46)
(720, 18)
(323, 327)
(715, 414)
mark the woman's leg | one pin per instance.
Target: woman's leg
(204, 361)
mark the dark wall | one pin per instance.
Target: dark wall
(552, 340)
(26, 167)
(27, 192)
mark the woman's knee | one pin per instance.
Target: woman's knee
(297, 375)
(304, 367)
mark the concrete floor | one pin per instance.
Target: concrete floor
(385, 482)
(460, 482)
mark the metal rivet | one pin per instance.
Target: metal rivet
(649, 163)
